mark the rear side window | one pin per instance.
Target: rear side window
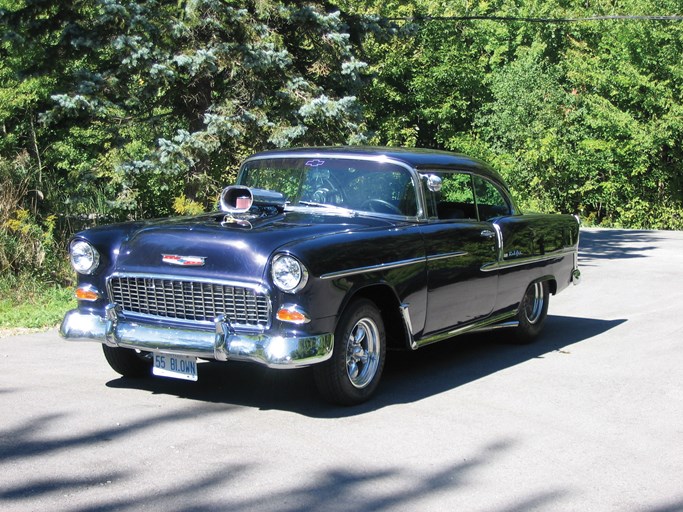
(491, 202)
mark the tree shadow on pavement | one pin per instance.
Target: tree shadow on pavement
(612, 244)
(220, 488)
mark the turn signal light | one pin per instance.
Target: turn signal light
(87, 293)
(292, 314)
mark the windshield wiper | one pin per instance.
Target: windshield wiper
(317, 205)
(324, 206)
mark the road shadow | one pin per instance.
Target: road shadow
(614, 244)
(408, 376)
(213, 489)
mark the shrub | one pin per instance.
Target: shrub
(27, 239)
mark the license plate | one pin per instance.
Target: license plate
(178, 367)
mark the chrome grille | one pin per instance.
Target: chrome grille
(190, 300)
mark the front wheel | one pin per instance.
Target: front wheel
(532, 312)
(127, 362)
(353, 372)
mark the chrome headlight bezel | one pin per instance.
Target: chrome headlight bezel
(84, 257)
(288, 273)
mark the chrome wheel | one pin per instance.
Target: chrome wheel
(352, 374)
(533, 302)
(532, 312)
(362, 353)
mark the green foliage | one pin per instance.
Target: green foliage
(137, 109)
(27, 240)
(184, 206)
(150, 101)
(116, 109)
(457, 188)
(579, 117)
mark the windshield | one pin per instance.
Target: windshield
(359, 185)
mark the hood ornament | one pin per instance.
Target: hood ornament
(183, 261)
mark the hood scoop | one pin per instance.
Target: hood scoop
(250, 203)
(240, 199)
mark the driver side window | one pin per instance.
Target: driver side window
(390, 192)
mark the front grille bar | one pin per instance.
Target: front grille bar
(190, 300)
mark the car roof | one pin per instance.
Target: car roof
(420, 159)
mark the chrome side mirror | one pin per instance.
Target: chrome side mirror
(434, 183)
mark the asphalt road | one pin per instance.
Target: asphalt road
(590, 417)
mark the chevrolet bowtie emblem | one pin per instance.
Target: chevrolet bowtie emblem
(183, 261)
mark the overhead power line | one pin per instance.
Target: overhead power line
(535, 20)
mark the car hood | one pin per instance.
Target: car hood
(227, 247)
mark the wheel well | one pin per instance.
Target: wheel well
(389, 306)
(552, 285)
(549, 280)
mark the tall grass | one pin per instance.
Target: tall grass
(27, 301)
(35, 277)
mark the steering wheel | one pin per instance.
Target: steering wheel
(380, 206)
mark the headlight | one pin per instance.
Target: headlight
(288, 273)
(84, 257)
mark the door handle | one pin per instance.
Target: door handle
(487, 233)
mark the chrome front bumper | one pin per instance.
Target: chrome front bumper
(224, 344)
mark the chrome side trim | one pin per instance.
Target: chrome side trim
(499, 238)
(456, 254)
(223, 343)
(518, 262)
(405, 313)
(495, 327)
(372, 268)
(482, 325)
(389, 266)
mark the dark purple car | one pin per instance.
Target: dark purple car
(323, 257)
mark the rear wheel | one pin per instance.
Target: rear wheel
(532, 313)
(353, 372)
(127, 362)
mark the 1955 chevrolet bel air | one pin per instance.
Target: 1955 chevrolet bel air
(323, 257)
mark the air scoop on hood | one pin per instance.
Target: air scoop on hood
(240, 199)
